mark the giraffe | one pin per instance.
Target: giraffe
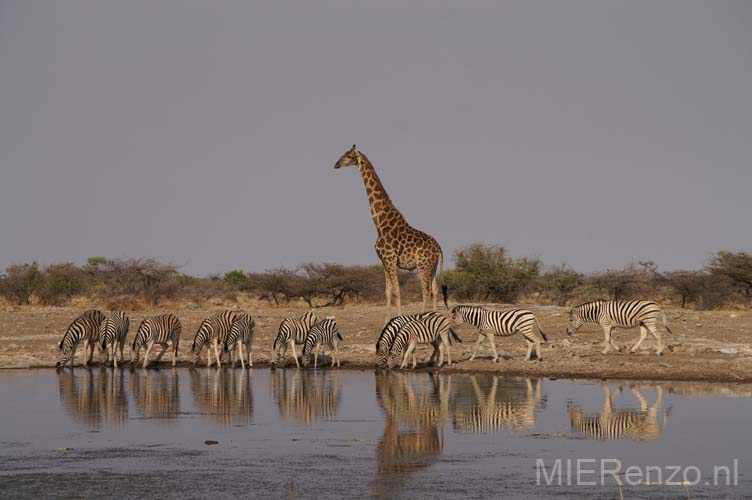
(399, 245)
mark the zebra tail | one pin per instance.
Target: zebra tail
(542, 333)
(454, 335)
(340, 337)
(665, 323)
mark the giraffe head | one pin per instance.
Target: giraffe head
(350, 158)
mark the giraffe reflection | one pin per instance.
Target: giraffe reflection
(495, 403)
(224, 395)
(94, 396)
(415, 409)
(156, 393)
(307, 396)
(639, 425)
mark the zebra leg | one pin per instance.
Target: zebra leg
(492, 341)
(87, 358)
(448, 349)
(73, 353)
(316, 357)
(240, 354)
(216, 353)
(208, 357)
(529, 354)
(294, 354)
(654, 331)
(606, 339)
(113, 351)
(175, 344)
(643, 334)
(477, 345)
(146, 354)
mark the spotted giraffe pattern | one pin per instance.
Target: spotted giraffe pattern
(399, 245)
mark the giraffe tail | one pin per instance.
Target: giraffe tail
(444, 287)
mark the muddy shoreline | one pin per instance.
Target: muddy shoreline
(713, 346)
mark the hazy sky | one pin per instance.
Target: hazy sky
(204, 133)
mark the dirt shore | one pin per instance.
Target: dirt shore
(710, 346)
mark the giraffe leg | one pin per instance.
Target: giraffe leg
(394, 289)
(435, 293)
(388, 289)
(425, 287)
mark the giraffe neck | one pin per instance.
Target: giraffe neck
(378, 199)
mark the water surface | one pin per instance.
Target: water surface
(349, 434)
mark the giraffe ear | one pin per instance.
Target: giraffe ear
(355, 148)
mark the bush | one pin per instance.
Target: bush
(736, 267)
(704, 290)
(60, 282)
(276, 284)
(631, 282)
(486, 273)
(559, 283)
(236, 280)
(147, 278)
(20, 282)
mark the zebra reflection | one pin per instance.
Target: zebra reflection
(94, 396)
(307, 395)
(487, 403)
(415, 408)
(224, 395)
(630, 423)
(156, 393)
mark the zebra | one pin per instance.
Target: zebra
(84, 328)
(390, 331)
(325, 332)
(241, 332)
(491, 322)
(213, 329)
(433, 330)
(639, 425)
(157, 330)
(112, 332)
(622, 314)
(497, 403)
(292, 331)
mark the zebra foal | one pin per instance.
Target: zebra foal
(157, 330)
(610, 314)
(323, 333)
(213, 330)
(84, 328)
(491, 322)
(241, 333)
(292, 331)
(112, 333)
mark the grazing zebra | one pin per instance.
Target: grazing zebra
(323, 333)
(241, 333)
(622, 314)
(491, 322)
(390, 331)
(433, 330)
(213, 329)
(640, 425)
(112, 332)
(86, 328)
(157, 330)
(292, 331)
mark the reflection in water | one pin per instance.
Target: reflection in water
(639, 425)
(156, 393)
(94, 396)
(488, 403)
(415, 409)
(308, 395)
(225, 395)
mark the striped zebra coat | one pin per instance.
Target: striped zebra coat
(323, 333)
(638, 425)
(157, 330)
(112, 333)
(241, 333)
(491, 322)
(433, 330)
(292, 331)
(610, 314)
(84, 328)
(389, 333)
(213, 330)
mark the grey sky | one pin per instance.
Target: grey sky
(204, 133)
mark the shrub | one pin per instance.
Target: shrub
(736, 267)
(559, 283)
(60, 282)
(147, 278)
(631, 282)
(20, 282)
(237, 280)
(487, 273)
(276, 284)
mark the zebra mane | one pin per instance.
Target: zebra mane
(590, 303)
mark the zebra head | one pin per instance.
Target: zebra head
(65, 354)
(350, 158)
(461, 314)
(395, 357)
(382, 357)
(575, 320)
